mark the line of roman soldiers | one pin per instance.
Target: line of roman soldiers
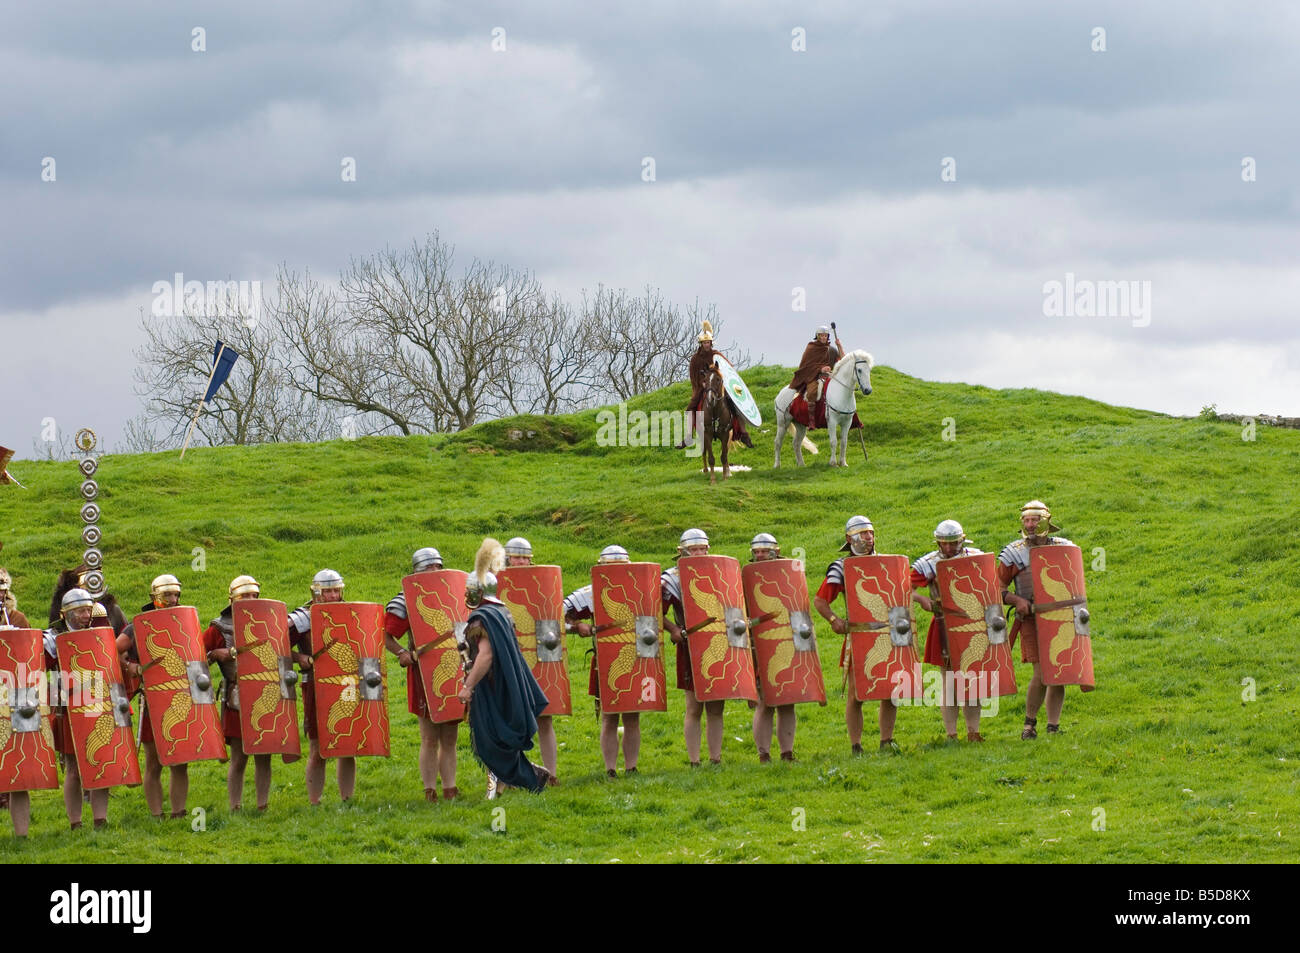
(740, 632)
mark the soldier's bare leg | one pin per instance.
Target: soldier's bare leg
(888, 715)
(347, 777)
(691, 726)
(609, 742)
(447, 753)
(235, 774)
(262, 780)
(315, 771)
(762, 731)
(972, 712)
(179, 789)
(1055, 701)
(72, 790)
(152, 779)
(786, 720)
(853, 720)
(1034, 694)
(428, 754)
(631, 740)
(20, 809)
(547, 744)
(713, 729)
(99, 806)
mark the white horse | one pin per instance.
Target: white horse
(853, 369)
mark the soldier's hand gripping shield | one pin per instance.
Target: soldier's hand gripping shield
(436, 610)
(534, 596)
(882, 632)
(1061, 615)
(628, 614)
(780, 621)
(347, 640)
(717, 628)
(268, 710)
(178, 689)
(99, 711)
(971, 603)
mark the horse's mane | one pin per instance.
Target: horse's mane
(858, 355)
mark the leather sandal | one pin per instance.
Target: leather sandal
(1031, 730)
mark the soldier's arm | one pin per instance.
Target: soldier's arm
(124, 646)
(1006, 576)
(838, 626)
(482, 660)
(574, 624)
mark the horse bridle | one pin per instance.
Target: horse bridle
(855, 406)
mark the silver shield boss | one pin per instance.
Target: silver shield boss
(1082, 619)
(647, 636)
(996, 624)
(26, 712)
(737, 627)
(371, 680)
(121, 706)
(288, 677)
(200, 682)
(802, 628)
(549, 646)
(900, 625)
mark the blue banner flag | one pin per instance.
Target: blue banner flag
(223, 359)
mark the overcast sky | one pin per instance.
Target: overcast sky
(775, 168)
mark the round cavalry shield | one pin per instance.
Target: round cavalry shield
(178, 686)
(717, 629)
(1061, 615)
(534, 596)
(99, 712)
(268, 709)
(627, 610)
(971, 601)
(347, 642)
(738, 392)
(776, 595)
(27, 759)
(882, 633)
(436, 610)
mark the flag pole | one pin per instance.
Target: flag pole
(216, 360)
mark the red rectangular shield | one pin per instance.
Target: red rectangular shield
(971, 601)
(436, 610)
(99, 712)
(178, 686)
(722, 667)
(1061, 615)
(268, 700)
(349, 671)
(882, 633)
(27, 758)
(628, 613)
(535, 597)
(780, 621)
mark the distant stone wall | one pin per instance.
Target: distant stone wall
(1270, 420)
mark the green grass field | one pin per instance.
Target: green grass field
(1197, 605)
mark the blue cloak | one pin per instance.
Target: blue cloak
(505, 705)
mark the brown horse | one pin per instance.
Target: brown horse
(715, 416)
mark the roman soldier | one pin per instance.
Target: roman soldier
(437, 741)
(859, 540)
(76, 579)
(219, 643)
(693, 542)
(762, 548)
(164, 593)
(77, 611)
(326, 586)
(951, 540)
(9, 614)
(1013, 568)
(579, 617)
(503, 696)
(700, 367)
(819, 357)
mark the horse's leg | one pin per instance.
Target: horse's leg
(726, 449)
(782, 425)
(833, 431)
(709, 458)
(844, 442)
(800, 431)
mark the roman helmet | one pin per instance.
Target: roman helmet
(822, 329)
(853, 542)
(325, 579)
(706, 333)
(75, 599)
(949, 531)
(692, 537)
(518, 546)
(762, 542)
(244, 587)
(164, 584)
(481, 585)
(1037, 508)
(426, 558)
(613, 554)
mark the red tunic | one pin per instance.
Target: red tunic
(230, 726)
(416, 703)
(1025, 627)
(933, 637)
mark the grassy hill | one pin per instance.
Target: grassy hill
(1196, 605)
